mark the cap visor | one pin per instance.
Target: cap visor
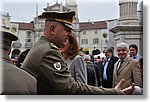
(69, 26)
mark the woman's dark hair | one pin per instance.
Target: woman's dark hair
(74, 47)
(71, 48)
(134, 46)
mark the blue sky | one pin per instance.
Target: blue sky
(93, 10)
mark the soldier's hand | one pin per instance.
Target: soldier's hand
(126, 91)
(129, 90)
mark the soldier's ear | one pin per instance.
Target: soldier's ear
(52, 28)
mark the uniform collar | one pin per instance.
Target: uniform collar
(51, 43)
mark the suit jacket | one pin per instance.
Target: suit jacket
(98, 67)
(130, 71)
(17, 81)
(46, 62)
(77, 69)
(91, 75)
(109, 71)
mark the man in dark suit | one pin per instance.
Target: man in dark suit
(98, 67)
(107, 73)
(91, 75)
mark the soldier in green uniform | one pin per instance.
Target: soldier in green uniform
(15, 80)
(46, 63)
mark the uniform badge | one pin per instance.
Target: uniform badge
(57, 65)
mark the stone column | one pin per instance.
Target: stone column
(128, 12)
(128, 28)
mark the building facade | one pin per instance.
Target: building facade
(93, 35)
(24, 32)
(90, 35)
(57, 7)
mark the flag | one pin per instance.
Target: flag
(105, 36)
(14, 28)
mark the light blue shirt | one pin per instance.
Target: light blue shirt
(137, 57)
(105, 68)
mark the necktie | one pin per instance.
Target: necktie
(119, 66)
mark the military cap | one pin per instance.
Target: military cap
(8, 37)
(65, 18)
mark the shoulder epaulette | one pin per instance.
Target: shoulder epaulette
(53, 46)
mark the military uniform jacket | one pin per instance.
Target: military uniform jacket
(47, 64)
(130, 71)
(15, 80)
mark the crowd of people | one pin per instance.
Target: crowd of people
(110, 69)
(56, 65)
